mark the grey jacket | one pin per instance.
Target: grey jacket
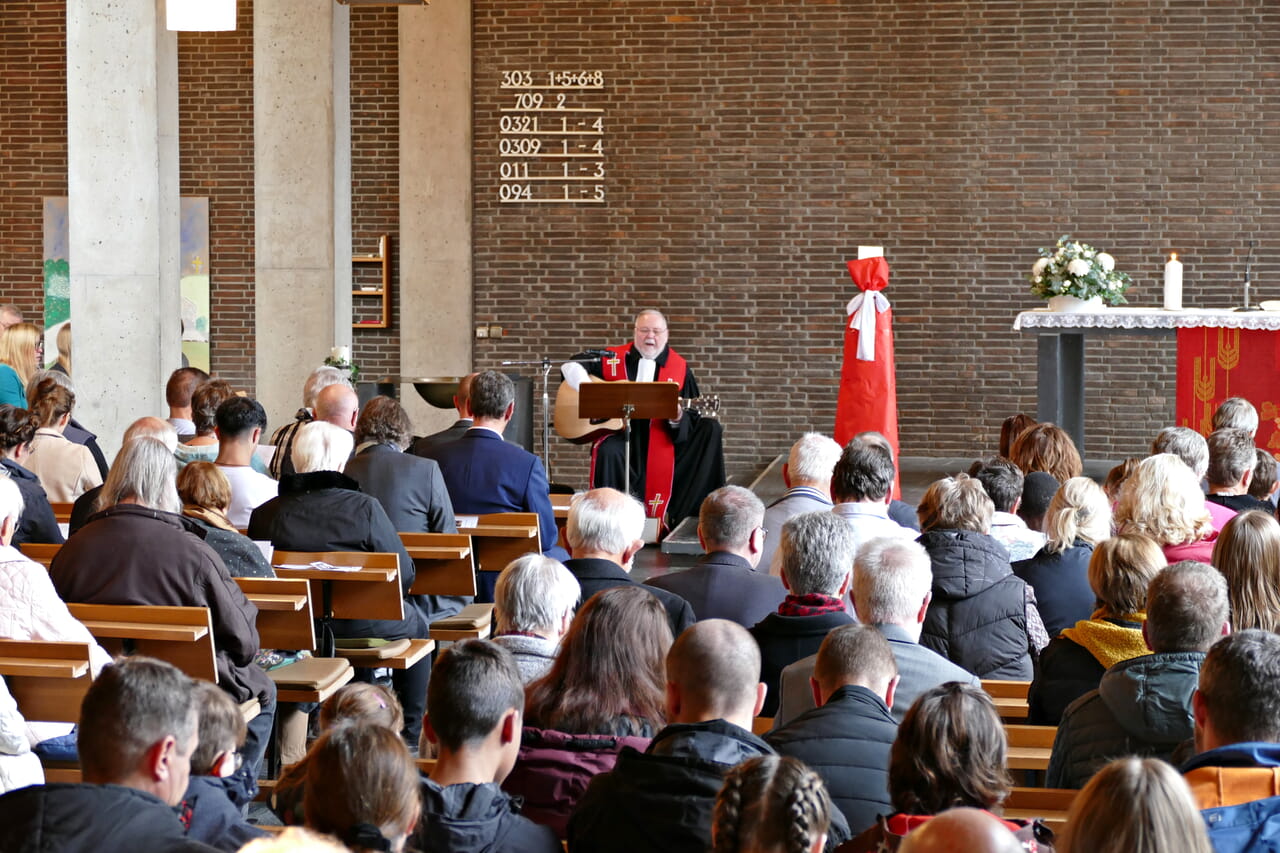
(1142, 707)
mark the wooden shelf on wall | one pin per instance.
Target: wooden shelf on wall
(383, 258)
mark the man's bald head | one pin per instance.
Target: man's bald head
(962, 830)
(151, 427)
(10, 315)
(338, 405)
(462, 399)
(713, 672)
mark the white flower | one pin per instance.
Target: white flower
(1079, 267)
(1107, 262)
(1039, 268)
(340, 354)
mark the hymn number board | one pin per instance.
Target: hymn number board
(551, 138)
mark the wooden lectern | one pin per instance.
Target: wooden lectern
(647, 400)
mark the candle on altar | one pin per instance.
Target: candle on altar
(1173, 284)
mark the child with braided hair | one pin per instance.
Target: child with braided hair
(771, 804)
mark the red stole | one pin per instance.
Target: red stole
(660, 463)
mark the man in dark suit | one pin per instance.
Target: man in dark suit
(429, 444)
(892, 584)
(604, 530)
(724, 584)
(484, 474)
(410, 488)
(817, 560)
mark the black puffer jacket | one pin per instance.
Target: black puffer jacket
(978, 616)
(37, 522)
(847, 743)
(84, 818)
(477, 819)
(660, 800)
(1142, 707)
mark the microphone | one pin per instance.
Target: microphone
(1248, 281)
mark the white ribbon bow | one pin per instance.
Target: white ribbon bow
(865, 321)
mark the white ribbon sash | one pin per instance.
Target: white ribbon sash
(865, 321)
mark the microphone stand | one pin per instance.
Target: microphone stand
(546, 364)
(1248, 281)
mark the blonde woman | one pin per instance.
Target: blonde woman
(63, 364)
(1247, 553)
(1162, 500)
(1079, 518)
(21, 347)
(1135, 805)
(1074, 663)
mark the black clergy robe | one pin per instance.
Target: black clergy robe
(699, 449)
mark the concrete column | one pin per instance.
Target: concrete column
(122, 176)
(435, 199)
(300, 150)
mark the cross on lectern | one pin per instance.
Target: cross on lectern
(656, 503)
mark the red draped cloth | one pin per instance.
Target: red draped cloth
(868, 398)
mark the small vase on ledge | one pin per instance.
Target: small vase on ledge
(1074, 304)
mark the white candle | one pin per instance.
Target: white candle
(1173, 284)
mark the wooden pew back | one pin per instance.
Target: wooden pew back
(183, 636)
(48, 679)
(444, 563)
(371, 592)
(284, 612)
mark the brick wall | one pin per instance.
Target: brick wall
(33, 126)
(215, 114)
(375, 187)
(753, 145)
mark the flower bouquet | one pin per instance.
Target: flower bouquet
(1077, 270)
(340, 357)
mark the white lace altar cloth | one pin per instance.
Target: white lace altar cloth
(1147, 318)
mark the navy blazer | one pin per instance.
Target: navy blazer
(724, 586)
(410, 488)
(483, 474)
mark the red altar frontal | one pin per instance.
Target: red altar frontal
(1221, 354)
(1217, 363)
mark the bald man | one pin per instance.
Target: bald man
(148, 427)
(962, 830)
(9, 315)
(338, 405)
(428, 445)
(662, 799)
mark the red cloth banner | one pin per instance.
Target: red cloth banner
(868, 388)
(1214, 364)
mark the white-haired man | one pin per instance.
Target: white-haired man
(320, 378)
(534, 602)
(807, 475)
(604, 532)
(892, 586)
(674, 464)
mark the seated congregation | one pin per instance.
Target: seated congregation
(830, 675)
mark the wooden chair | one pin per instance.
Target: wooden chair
(61, 511)
(183, 636)
(1049, 804)
(48, 681)
(370, 591)
(1010, 698)
(445, 565)
(285, 622)
(498, 538)
(40, 552)
(761, 725)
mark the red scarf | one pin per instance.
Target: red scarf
(811, 604)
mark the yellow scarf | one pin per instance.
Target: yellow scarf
(1108, 642)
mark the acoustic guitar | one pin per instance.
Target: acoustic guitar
(584, 430)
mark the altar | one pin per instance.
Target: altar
(1221, 353)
